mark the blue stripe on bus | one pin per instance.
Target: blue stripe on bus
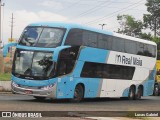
(92, 85)
(66, 87)
(41, 49)
(93, 55)
(148, 87)
(149, 83)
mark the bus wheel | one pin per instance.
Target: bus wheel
(156, 90)
(39, 98)
(139, 93)
(131, 95)
(78, 93)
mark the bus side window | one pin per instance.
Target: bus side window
(140, 48)
(74, 37)
(146, 51)
(130, 47)
(62, 67)
(89, 39)
(102, 41)
(118, 44)
(152, 50)
(66, 61)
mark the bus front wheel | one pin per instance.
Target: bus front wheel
(78, 93)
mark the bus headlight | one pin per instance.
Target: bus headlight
(15, 84)
(47, 87)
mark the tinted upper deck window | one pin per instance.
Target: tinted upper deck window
(42, 37)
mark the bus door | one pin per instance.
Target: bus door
(65, 65)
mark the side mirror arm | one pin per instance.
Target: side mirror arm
(6, 47)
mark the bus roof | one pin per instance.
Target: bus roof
(134, 39)
(73, 25)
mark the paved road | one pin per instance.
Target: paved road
(13, 102)
(10, 102)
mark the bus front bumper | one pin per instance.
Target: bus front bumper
(34, 91)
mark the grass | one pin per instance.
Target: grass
(5, 77)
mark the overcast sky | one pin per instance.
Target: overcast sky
(86, 12)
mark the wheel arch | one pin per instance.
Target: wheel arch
(78, 92)
(133, 86)
(83, 86)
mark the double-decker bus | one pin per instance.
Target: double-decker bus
(64, 60)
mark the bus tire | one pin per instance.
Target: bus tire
(139, 93)
(39, 98)
(131, 94)
(156, 90)
(78, 93)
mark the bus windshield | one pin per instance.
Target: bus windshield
(42, 37)
(33, 65)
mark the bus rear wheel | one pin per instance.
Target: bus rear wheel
(139, 93)
(156, 90)
(131, 95)
(78, 93)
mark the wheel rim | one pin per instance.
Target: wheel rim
(77, 94)
(139, 94)
(156, 91)
(131, 94)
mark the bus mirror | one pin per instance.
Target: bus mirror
(6, 48)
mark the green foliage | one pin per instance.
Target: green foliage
(5, 77)
(157, 40)
(129, 26)
(152, 20)
(145, 36)
(132, 27)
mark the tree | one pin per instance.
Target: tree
(146, 36)
(157, 40)
(129, 26)
(152, 20)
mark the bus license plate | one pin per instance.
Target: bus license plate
(28, 92)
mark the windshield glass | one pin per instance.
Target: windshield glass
(30, 35)
(42, 37)
(33, 65)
